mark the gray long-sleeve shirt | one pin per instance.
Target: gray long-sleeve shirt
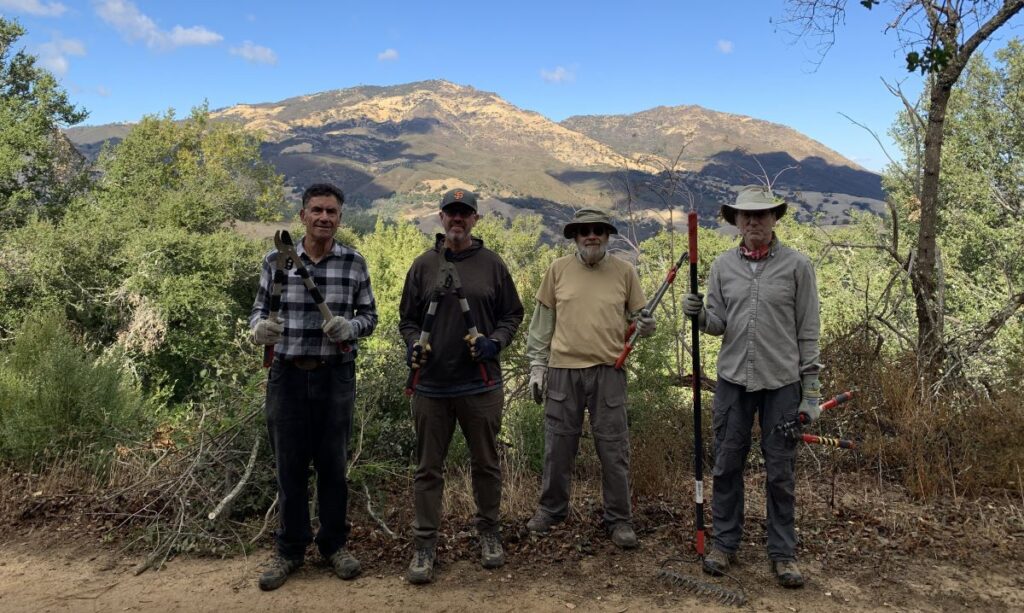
(769, 314)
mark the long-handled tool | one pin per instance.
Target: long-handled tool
(632, 334)
(286, 247)
(448, 280)
(680, 581)
(828, 440)
(280, 278)
(698, 444)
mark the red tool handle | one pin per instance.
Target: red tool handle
(832, 403)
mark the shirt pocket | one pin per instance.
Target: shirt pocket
(779, 291)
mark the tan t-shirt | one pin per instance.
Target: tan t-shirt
(591, 306)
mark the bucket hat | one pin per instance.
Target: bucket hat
(754, 198)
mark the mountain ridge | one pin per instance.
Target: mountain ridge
(392, 148)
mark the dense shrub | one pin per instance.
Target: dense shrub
(56, 396)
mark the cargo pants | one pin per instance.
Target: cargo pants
(571, 391)
(733, 420)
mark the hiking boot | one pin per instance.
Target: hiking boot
(540, 523)
(717, 562)
(787, 573)
(492, 555)
(623, 536)
(277, 570)
(421, 569)
(345, 565)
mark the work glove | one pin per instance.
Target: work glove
(538, 379)
(693, 304)
(645, 323)
(339, 329)
(481, 347)
(812, 398)
(268, 331)
(417, 354)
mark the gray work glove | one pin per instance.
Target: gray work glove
(268, 331)
(339, 329)
(538, 379)
(809, 406)
(693, 304)
(645, 323)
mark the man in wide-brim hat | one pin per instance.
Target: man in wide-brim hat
(584, 306)
(763, 300)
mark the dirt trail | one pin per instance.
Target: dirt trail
(89, 578)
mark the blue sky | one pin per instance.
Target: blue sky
(122, 59)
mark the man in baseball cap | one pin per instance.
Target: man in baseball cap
(459, 380)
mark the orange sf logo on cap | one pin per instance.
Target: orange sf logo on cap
(458, 195)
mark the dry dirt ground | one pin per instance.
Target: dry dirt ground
(863, 547)
(62, 578)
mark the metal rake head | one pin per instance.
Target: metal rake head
(701, 588)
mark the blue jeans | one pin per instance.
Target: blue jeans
(309, 418)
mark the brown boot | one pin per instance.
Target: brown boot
(787, 573)
(717, 562)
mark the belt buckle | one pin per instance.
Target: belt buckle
(307, 363)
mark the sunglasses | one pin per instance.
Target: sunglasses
(586, 229)
(458, 211)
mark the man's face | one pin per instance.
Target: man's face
(321, 216)
(591, 241)
(756, 226)
(458, 220)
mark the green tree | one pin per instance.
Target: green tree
(982, 208)
(147, 260)
(941, 36)
(40, 172)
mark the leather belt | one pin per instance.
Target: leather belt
(310, 362)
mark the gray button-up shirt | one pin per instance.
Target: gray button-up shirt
(769, 315)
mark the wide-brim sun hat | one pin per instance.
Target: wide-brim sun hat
(585, 217)
(754, 198)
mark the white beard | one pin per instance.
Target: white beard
(591, 254)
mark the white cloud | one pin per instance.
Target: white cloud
(388, 55)
(102, 91)
(133, 25)
(251, 52)
(54, 55)
(194, 36)
(725, 46)
(559, 75)
(34, 7)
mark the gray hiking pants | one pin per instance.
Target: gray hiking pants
(479, 416)
(602, 389)
(733, 420)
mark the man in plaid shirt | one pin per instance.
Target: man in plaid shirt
(311, 384)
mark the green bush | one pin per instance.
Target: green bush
(56, 397)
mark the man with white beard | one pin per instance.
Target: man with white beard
(584, 306)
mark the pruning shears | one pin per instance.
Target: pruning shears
(791, 429)
(632, 333)
(288, 258)
(447, 281)
(280, 278)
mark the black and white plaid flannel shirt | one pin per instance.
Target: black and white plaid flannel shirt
(344, 280)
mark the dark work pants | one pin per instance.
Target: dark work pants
(571, 391)
(479, 416)
(733, 420)
(309, 417)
